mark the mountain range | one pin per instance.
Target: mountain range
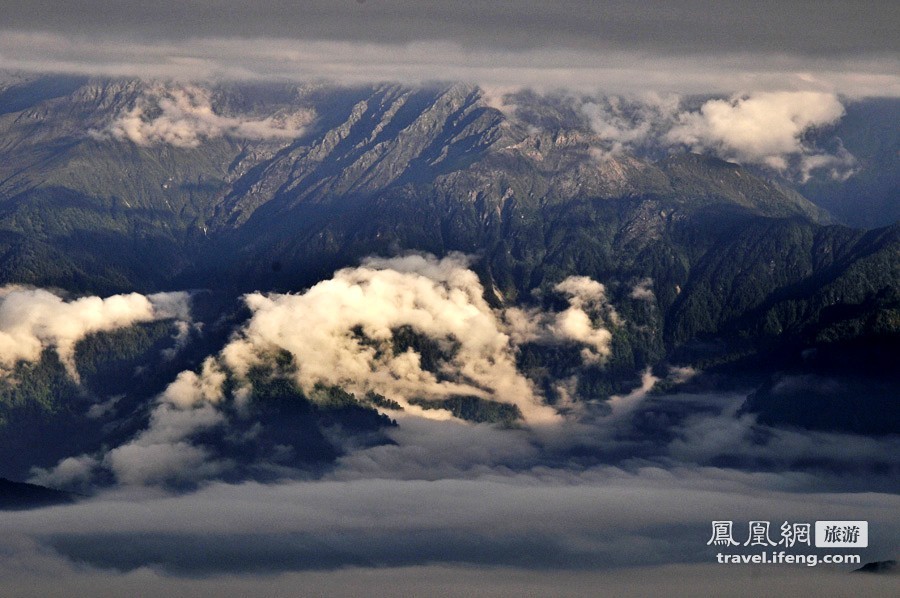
(752, 278)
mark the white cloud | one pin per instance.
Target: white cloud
(623, 124)
(498, 98)
(163, 452)
(622, 405)
(191, 389)
(681, 374)
(32, 320)
(70, 473)
(183, 116)
(441, 299)
(763, 128)
(643, 290)
(575, 323)
(162, 462)
(586, 321)
(840, 165)
(341, 332)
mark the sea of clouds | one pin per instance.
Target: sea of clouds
(578, 495)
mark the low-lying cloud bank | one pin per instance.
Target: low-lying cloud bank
(449, 493)
(599, 519)
(32, 320)
(50, 576)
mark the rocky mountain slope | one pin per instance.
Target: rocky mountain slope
(110, 186)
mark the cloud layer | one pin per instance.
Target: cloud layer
(550, 520)
(771, 129)
(616, 70)
(418, 327)
(805, 27)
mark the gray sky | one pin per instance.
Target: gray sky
(819, 27)
(690, 45)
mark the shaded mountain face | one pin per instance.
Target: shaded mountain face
(18, 496)
(869, 197)
(119, 186)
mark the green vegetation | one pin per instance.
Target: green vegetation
(41, 386)
(108, 362)
(381, 401)
(474, 409)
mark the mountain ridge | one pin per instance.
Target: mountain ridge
(708, 263)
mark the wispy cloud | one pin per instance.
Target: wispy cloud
(183, 116)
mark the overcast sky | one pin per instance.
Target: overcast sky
(814, 27)
(616, 45)
(691, 45)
